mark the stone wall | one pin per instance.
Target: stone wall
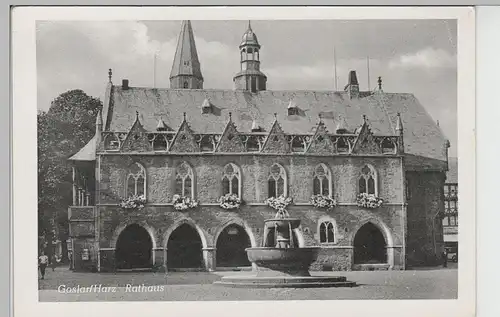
(160, 219)
(424, 225)
(210, 221)
(208, 171)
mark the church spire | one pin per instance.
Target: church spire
(186, 69)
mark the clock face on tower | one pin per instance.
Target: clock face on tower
(244, 66)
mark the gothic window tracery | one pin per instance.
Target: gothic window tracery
(252, 144)
(136, 180)
(231, 180)
(342, 145)
(322, 181)
(388, 146)
(326, 232)
(160, 143)
(111, 142)
(368, 180)
(184, 179)
(206, 144)
(298, 144)
(277, 182)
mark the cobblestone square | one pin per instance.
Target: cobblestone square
(433, 283)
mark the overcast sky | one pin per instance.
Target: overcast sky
(412, 56)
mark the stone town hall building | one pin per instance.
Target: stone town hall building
(256, 143)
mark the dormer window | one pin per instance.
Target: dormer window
(293, 110)
(206, 107)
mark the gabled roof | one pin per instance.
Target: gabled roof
(186, 60)
(422, 137)
(86, 153)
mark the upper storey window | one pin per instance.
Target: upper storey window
(277, 181)
(368, 180)
(184, 179)
(136, 180)
(231, 180)
(322, 181)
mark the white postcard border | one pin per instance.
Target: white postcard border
(25, 163)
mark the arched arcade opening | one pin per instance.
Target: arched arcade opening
(184, 249)
(134, 248)
(230, 247)
(370, 246)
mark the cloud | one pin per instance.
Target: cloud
(74, 55)
(426, 58)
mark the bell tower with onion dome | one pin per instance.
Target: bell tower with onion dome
(250, 77)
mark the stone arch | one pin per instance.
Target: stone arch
(202, 238)
(230, 244)
(150, 230)
(180, 222)
(239, 222)
(123, 225)
(386, 233)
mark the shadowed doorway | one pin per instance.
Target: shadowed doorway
(231, 245)
(369, 245)
(134, 248)
(184, 248)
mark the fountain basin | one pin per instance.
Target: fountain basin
(285, 264)
(283, 223)
(282, 262)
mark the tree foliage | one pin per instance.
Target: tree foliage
(62, 131)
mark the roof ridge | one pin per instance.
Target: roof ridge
(261, 91)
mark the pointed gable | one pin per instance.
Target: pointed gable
(136, 139)
(184, 140)
(230, 140)
(321, 143)
(276, 141)
(365, 142)
(186, 60)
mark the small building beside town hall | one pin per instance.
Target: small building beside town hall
(179, 178)
(450, 219)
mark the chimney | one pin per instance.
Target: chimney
(125, 84)
(352, 86)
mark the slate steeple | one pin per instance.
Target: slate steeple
(352, 86)
(186, 69)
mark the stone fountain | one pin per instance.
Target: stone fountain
(282, 263)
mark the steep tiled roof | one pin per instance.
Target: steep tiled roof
(421, 135)
(452, 174)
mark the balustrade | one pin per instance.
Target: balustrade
(254, 141)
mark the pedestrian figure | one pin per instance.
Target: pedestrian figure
(42, 263)
(445, 259)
